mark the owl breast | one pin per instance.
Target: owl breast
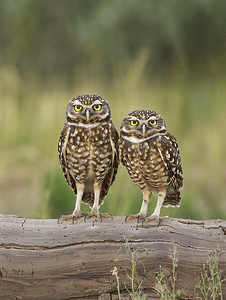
(89, 154)
(145, 164)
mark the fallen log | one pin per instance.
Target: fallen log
(41, 259)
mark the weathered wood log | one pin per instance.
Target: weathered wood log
(40, 259)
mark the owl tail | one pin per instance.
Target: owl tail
(173, 198)
(88, 198)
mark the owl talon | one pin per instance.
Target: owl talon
(69, 217)
(58, 219)
(89, 215)
(107, 215)
(131, 217)
(74, 217)
(64, 218)
(100, 217)
(126, 218)
(151, 218)
(137, 216)
(141, 217)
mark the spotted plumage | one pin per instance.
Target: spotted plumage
(151, 156)
(88, 152)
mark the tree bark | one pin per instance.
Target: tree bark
(41, 259)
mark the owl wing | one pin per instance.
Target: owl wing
(121, 143)
(62, 152)
(110, 177)
(172, 159)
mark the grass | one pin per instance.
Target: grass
(32, 115)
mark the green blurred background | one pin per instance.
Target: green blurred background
(167, 56)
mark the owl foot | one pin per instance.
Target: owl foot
(98, 215)
(137, 216)
(107, 215)
(70, 217)
(151, 218)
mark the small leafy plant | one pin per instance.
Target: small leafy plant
(210, 280)
(136, 288)
(164, 292)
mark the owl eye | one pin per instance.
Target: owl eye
(134, 122)
(78, 107)
(97, 106)
(153, 122)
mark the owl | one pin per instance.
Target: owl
(152, 158)
(88, 153)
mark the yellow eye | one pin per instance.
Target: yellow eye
(134, 122)
(97, 106)
(153, 122)
(78, 107)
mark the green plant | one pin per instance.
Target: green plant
(210, 280)
(161, 287)
(136, 288)
(115, 273)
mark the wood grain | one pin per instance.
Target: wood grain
(40, 259)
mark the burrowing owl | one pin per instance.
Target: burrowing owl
(151, 156)
(88, 152)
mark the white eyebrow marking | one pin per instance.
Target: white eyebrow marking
(77, 102)
(97, 102)
(132, 118)
(153, 118)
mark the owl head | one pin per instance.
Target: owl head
(87, 109)
(140, 125)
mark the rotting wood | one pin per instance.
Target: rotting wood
(40, 259)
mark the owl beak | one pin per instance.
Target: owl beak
(143, 129)
(87, 114)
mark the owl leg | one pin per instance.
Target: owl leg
(156, 213)
(77, 211)
(97, 187)
(144, 207)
